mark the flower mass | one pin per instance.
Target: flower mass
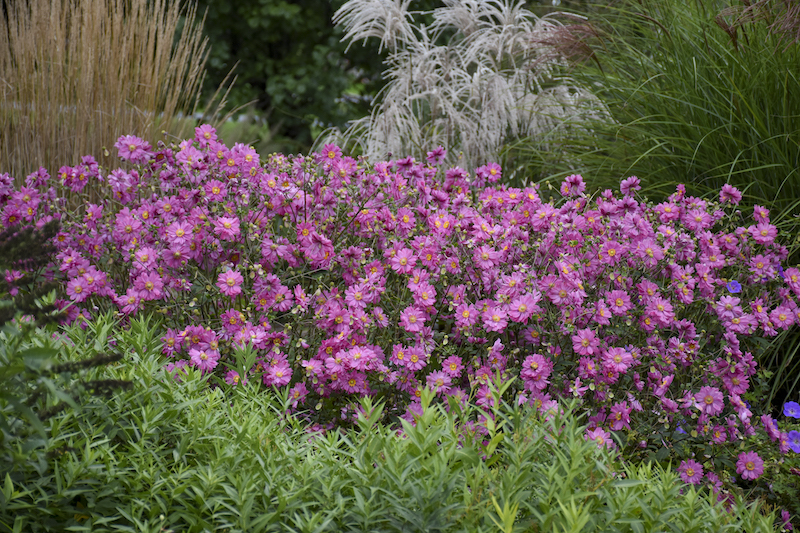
(350, 278)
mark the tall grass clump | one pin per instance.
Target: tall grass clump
(470, 81)
(696, 93)
(75, 73)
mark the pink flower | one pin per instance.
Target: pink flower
(730, 194)
(436, 156)
(485, 257)
(782, 317)
(149, 285)
(178, 233)
(227, 228)
(619, 302)
(600, 436)
(761, 214)
(453, 366)
(403, 261)
(620, 416)
(611, 252)
(750, 465)
(416, 359)
(649, 252)
(298, 393)
(629, 185)
(412, 319)
(492, 172)
(439, 382)
(495, 318)
(133, 149)
(535, 370)
(697, 219)
(331, 152)
(278, 375)
(585, 342)
(319, 250)
(786, 518)
(359, 357)
(710, 400)
(77, 290)
(424, 295)
(405, 220)
(617, 359)
(573, 185)
(763, 233)
(215, 190)
(522, 308)
(691, 471)
(205, 360)
(144, 259)
(661, 311)
(230, 283)
(728, 307)
(466, 315)
(172, 343)
(233, 378)
(129, 302)
(205, 134)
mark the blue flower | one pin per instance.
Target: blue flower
(734, 286)
(794, 441)
(791, 409)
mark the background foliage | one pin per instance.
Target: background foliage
(290, 61)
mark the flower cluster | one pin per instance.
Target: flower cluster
(350, 279)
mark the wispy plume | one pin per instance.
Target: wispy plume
(481, 73)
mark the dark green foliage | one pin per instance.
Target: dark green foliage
(698, 94)
(290, 61)
(26, 249)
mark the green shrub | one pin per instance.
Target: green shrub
(174, 455)
(34, 388)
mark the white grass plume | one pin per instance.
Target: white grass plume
(479, 76)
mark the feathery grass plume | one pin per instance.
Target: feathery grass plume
(781, 16)
(476, 77)
(76, 73)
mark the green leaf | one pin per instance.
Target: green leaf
(492, 446)
(8, 491)
(37, 358)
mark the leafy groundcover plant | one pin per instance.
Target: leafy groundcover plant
(333, 279)
(177, 455)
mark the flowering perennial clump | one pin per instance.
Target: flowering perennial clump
(348, 278)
